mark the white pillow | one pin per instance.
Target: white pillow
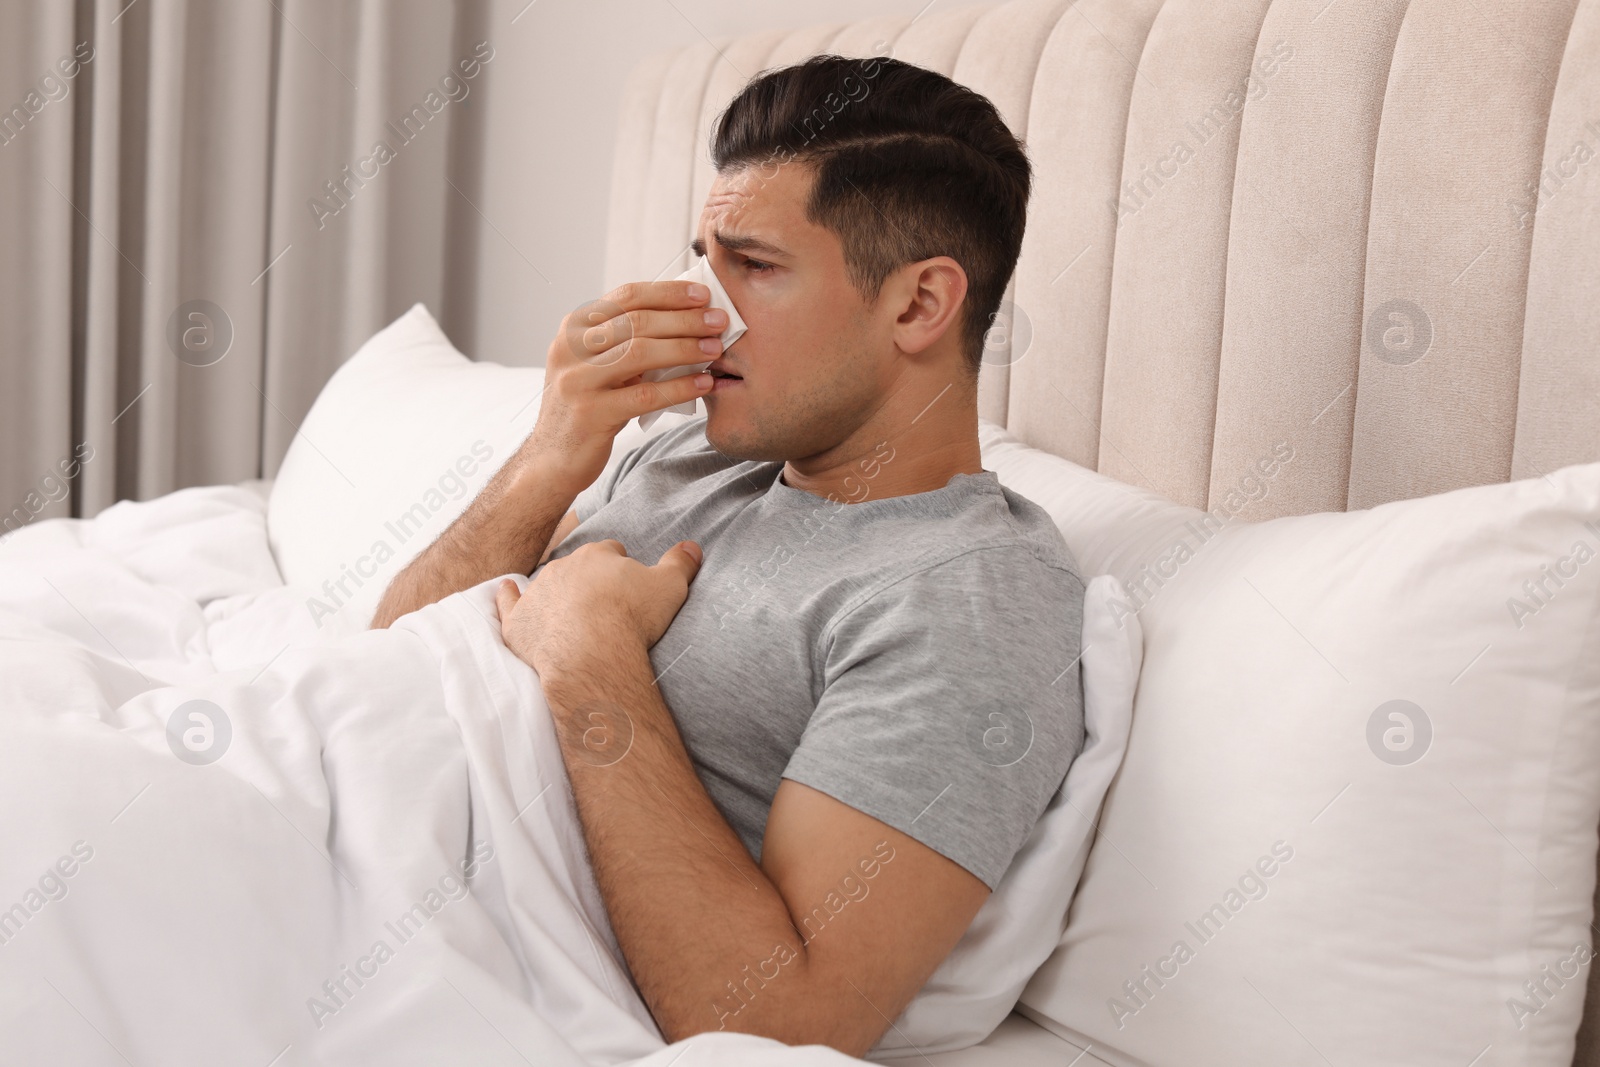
(977, 985)
(1293, 867)
(397, 444)
(1110, 526)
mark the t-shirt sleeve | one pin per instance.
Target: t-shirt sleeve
(951, 706)
(595, 497)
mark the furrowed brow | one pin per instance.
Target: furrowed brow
(739, 243)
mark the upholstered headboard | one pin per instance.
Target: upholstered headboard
(1368, 228)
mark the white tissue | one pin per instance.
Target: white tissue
(701, 272)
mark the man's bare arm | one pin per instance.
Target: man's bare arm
(770, 949)
(593, 386)
(516, 517)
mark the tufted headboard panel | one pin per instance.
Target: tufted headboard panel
(1368, 228)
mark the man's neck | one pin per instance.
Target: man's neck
(898, 452)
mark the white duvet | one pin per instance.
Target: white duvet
(229, 838)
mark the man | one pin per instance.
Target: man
(806, 744)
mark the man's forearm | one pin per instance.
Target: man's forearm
(503, 531)
(692, 912)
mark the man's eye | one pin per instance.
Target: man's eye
(758, 266)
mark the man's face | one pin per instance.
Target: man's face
(816, 360)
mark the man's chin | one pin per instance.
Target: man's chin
(734, 439)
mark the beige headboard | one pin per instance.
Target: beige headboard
(1368, 228)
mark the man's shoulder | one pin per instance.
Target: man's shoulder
(1007, 582)
(1016, 563)
(1011, 545)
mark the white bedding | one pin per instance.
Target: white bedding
(232, 911)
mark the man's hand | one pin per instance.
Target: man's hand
(593, 385)
(595, 366)
(592, 601)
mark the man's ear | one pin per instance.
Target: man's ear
(930, 295)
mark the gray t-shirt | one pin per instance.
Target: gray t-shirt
(915, 657)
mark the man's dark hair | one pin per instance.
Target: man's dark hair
(909, 165)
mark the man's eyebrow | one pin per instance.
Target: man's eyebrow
(739, 243)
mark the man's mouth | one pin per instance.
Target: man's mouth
(718, 370)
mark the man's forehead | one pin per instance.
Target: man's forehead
(750, 204)
(737, 208)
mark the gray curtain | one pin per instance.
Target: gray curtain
(207, 206)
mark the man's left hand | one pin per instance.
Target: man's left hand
(594, 597)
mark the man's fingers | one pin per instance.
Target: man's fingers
(671, 293)
(506, 596)
(685, 555)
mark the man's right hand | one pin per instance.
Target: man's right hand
(593, 384)
(593, 377)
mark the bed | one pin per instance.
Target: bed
(1357, 257)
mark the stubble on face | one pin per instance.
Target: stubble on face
(816, 378)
